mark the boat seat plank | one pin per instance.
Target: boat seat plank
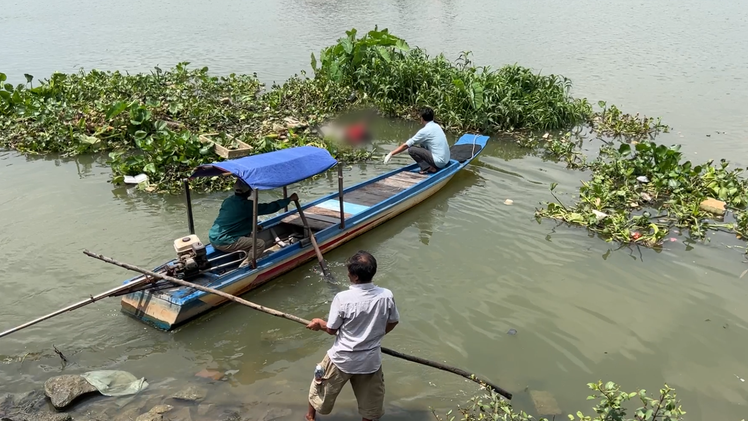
(318, 218)
(314, 224)
(350, 209)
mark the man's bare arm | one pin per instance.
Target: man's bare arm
(389, 327)
(319, 324)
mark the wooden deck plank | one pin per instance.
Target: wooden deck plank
(328, 212)
(410, 176)
(318, 218)
(314, 224)
(396, 182)
(372, 194)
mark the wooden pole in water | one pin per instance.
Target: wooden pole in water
(285, 196)
(321, 259)
(188, 199)
(255, 210)
(340, 195)
(297, 319)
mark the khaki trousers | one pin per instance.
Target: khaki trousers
(368, 388)
(244, 243)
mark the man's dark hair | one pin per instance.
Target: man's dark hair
(427, 114)
(363, 265)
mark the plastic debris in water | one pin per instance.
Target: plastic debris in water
(739, 378)
(599, 215)
(512, 332)
(140, 178)
(508, 201)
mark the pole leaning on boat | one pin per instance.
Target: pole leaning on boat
(322, 263)
(340, 196)
(255, 209)
(188, 198)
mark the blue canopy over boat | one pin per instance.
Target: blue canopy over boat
(273, 169)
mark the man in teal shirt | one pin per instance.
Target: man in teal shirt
(232, 230)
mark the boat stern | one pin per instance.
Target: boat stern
(157, 310)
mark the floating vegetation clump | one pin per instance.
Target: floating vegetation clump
(640, 191)
(152, 123)
(613, 122)
(399, 79)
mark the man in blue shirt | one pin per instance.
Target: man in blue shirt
(428, 147)
(232, 230)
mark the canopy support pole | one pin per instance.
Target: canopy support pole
(285, 196)
(340, 196)
(255, 206)
(188, 198)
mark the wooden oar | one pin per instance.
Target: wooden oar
(296, 319)
(322, 263)
(92, 299)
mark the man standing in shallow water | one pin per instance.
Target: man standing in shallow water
(359, 318)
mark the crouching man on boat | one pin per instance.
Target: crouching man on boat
(232, 229)
(428, 147)
(359, 319)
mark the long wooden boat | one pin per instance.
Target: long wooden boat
(333, 220)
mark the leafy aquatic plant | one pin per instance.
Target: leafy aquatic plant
(150, 123)
(611, 407)
(614, 123)
(398, 79)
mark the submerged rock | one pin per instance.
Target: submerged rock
(156, 413)
(48, 417)
(31, 406)
(6, 405)
(276, 413)
(32, 402)
(545, 403)
(190, 393)
(209, 374)
(63, 390)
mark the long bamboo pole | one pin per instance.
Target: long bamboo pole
(92, 299)
(296, 319)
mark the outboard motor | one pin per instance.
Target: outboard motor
(192, 258)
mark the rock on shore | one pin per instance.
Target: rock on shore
(63, 390)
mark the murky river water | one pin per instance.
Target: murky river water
(465, 268)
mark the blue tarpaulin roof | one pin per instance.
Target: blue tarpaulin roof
(273, 169)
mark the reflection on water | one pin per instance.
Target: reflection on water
(465, 267)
